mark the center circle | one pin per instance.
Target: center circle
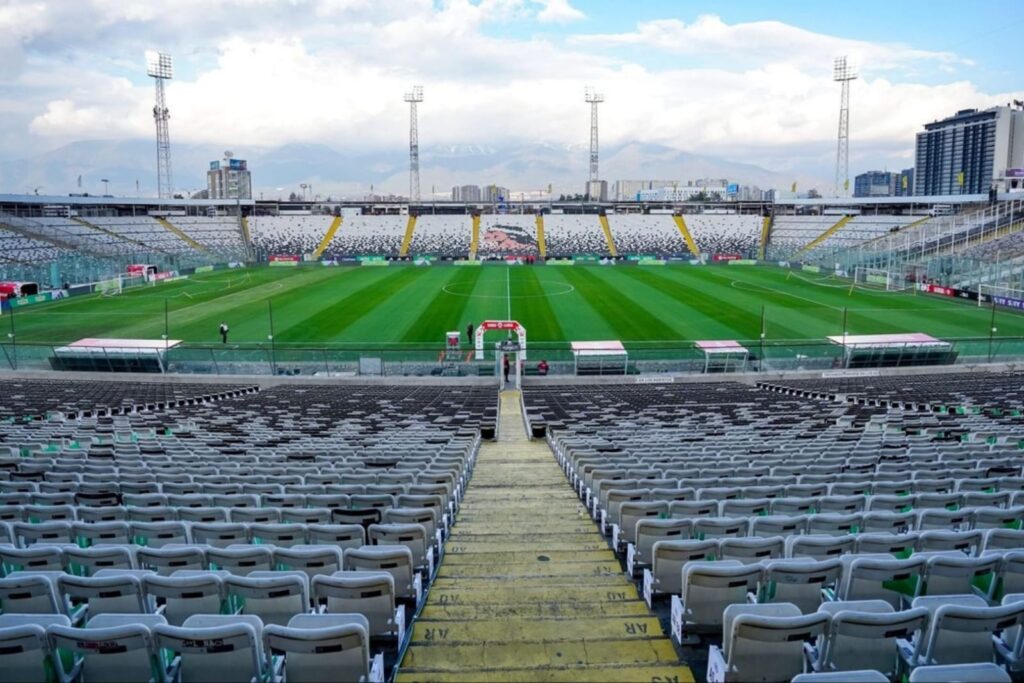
(453, 288)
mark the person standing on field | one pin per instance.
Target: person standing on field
(469, 333)
(223, 332)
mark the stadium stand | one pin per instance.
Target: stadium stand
(787, 518)
(368, 236)
(790, 234)
(574, 234)
(145, 230)
(861, 229)
(1003, 248)
(15, 247)
(306, 519)
(216, 233)
(647, 234)
(725, 233)
(443, 236)
(288, 235)
(511, 235)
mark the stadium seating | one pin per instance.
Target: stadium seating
(507, 235)
(442, 236)
(570, 235)
(209, 511)
(655, 235)
(289, 235)
(369, 236)
(790, 234)
(726, 233)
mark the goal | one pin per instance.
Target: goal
(118, 284)
(1001, 295)
(879, 278)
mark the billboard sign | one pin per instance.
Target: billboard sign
(214, 165)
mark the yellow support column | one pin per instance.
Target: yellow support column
(687, 237)
(824, 236)
(246, 235)
(326, 241)
(474, 241)
(118, 236)
(608, 235)
(410, 228)
(765, 228)
(542, 246)
(181, 234)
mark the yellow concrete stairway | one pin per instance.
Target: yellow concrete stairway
(542, 245)
(687, 237)
(181, 234)
(328, 236)
(410, 228)
(766, 226)
(528, 590)
(474, 240)
(608, 235)
(824, 236)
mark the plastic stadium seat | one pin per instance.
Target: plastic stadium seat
(110, 594)
(320, 648)
(396, 560)
(30, 593)
(762, 643)
(879, 577)
(955, 574)
(219, 534)
(25, 653)
(39, 557)
(241, 559)
(865, 634)
(886, 543)
(125, 653)
(752, 549)
(708, 588)
(312, 560)
(90, 560)
(275, 597)
(858, 676)
(819, 547)
(668, 559)
(650, 531)
(981, 672)
(371, 594)
(799, 582)
(215, 648)
(185, 594)
(159, 534)
(167, 559)
(960, 630)
(343, 536)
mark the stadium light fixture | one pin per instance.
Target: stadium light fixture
(843, 73)
(594, 98)
(414, 98)
(160, 67)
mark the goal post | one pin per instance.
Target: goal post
(117, 284)
(1000, 295)
(880, 278)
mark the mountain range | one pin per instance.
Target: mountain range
(278, 171)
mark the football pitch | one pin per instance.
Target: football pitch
(640, 306)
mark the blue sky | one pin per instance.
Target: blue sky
(745, 81)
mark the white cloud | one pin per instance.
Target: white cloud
(333, 72)
(559, 12)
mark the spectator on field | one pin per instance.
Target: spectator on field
(505, 366)
(469, 333)
(542, 368)
(223, 332)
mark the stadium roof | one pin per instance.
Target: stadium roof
(101, 200)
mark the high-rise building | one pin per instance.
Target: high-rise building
(875, 184)
(495, 194)
(229, 179)
(905, 183)
(466, 193)
(597, 190)
(965, 153)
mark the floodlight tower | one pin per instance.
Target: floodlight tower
(413, 98)
(159, 67)
(843, 73)
(594, 98)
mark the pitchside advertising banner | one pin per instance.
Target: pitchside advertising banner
(726, 257)
(743, 262)
(284, 260)
(467, 263)
(957, 293)
(810, 269)
(559, 262)
(204, 269)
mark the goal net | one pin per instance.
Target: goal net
(118, 284)
(1001, 295)
(879, 278)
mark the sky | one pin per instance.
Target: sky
(747, 81)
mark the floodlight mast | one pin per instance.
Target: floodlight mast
(160, 67)
(414, 98)
(594, 98)
(843, 73)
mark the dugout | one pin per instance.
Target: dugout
(723, 355)
(13, 290)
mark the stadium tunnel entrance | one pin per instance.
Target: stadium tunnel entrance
(509, 353)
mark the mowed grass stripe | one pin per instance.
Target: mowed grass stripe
(342, 313)
(444, 312)
(532, 307)
(630, 319)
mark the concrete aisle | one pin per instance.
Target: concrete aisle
(528, 590)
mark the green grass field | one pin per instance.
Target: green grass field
(419, 304)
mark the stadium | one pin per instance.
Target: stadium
(651, 438)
